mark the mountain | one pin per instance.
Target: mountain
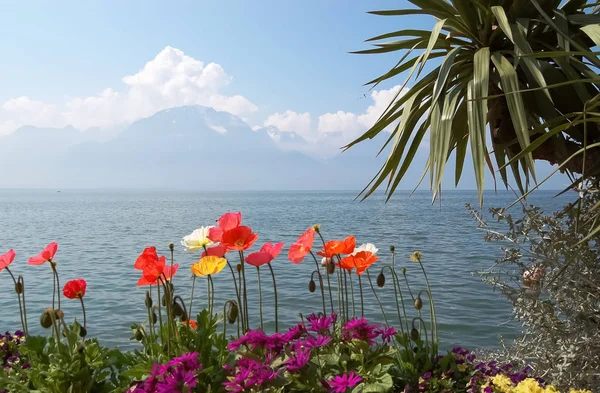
(190, 147)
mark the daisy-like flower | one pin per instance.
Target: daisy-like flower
(342, 383)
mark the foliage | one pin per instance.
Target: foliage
(552, 280)
(527, 68)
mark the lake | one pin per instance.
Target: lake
(100, 234)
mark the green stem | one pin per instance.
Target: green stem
(396, 286)
(346, 294)
(352, 291)
(237, 292)
(24, 307)
(320, 283)
(208, 295)
(19, 298)
(434, 331)
(275, 295)
(340, 294)
(260, 299)
(57, 281)
(245, 290)
(378, 301)
(53, 285)
(192, 295)
(149, 309)
(160, 321)
(329, 286)
(212, 294)
(362, 303)
(83, 310)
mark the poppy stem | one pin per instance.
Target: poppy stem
(53, 285)
(362, 303)
(53, 264)
(346, 293)
(320, 283)
(237, 292)
(275, 295)
(378, 301)
(242, 314)
(396, 288)
(245, 290)
(83, 309)
(160, 321)
(260, 299)
(192, 295)
(326, 271)
(340, 294)
(24, 306)
(352, 292)
(19, 298)
(434, 330)
(208, 295)
(212, 298)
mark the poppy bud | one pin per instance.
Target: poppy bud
(171, 246)
(404, 271)
(177, 310)
(380, 280)
(154, 318)
(184, 317)
(45, 319)
(414, 334)
(148, 300)
(138, 334)
(164, 300)
(19, 288)
(82, 331)
(59, 314)
(392, 249)
(239, 267)
(312, 286)
(418, 303)
(80, 347)
(232, 313)
(317, 228)
(331, 268)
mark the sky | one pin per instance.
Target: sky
(281, 63)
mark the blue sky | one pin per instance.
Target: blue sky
(281, 63)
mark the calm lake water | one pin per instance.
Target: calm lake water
(100, 234)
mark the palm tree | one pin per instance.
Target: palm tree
(525, 68)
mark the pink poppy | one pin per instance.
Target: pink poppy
(46, 255)
(302, 246)
(227, 222)
(217, 251)
(266, 254)
(7, 259)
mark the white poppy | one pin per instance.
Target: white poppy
(197, 239)
(366, 247)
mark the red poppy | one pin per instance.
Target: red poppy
(239, 238)
(153, 267)
(75, 289)
(46, 255)
(191, 323)
(302, 246)
(361, 261)
(336, 247)
(266, 254)
(7, 259)
(227, 222)
(217, 251)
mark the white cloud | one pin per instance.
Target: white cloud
(170, 79)
(291, 121)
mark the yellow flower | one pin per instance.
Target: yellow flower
(462, 368)
(415, 256)
(208, 265)
(529, 385)
(503, 383)
(551, 389)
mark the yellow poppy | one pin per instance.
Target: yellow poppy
(208, 265)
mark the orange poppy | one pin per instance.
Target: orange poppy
(239, 238)
(7, 259)
(302, 246)
(153, 267)
(336, 247)
(75, 289)
(227, 222)
(191, 323)
(361, 261)
(44, 256)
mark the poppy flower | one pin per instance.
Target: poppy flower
(217, 251)
(302, 246)
(266, 254)
(151, 276)
(227, 222)
(239, 238)
(46, 255)
(335, 247)
(146, 258)
(7, 258)
(361, 261)
(208, 265)
(366, 247)
(75, 289)
(191, 323)
(153, 267)
(197, 239)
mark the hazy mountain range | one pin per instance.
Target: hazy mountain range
(190, 147)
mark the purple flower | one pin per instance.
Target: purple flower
(178, 381)
(189, 361)
(386, 333)
(343, 382)
(319, 323)
(427, 375)
(299, 360)
(359, 328)
(319, 341)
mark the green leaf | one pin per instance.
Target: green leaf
(433, 39)
(510, 86)
(461, 133)
(592, 31)
(444, 136)
(477, 91)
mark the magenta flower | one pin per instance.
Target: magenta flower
(359, 329)
(319, 323)
(319, 341)
(342, 383)
(386, 333)
(299, 360)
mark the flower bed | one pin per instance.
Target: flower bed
(333, 350)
